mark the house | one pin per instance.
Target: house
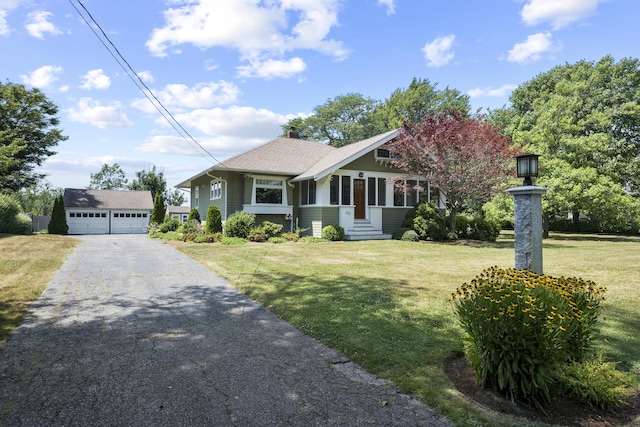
(180, 212)
(107, 211)
(309, 184)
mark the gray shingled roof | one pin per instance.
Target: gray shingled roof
(107, 199)
(343, 155)
(296, 157)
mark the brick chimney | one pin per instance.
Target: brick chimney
(292, 133)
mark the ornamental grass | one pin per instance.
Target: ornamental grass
(521, 328)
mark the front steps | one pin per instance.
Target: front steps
(363, 230)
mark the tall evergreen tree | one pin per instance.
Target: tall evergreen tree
(58, 223)
(157, 215)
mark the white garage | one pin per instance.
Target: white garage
(107, 211)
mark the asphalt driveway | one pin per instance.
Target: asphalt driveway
(131, 332)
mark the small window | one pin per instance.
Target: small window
(382, 192)
(334, 185)
(196, 196)
(216, 189)
(144, 215)
(308, 189)
(371, 191)
(72, 215)
(84, 215)
(128, 216)
(90, 215)
(346, 190)
(103, 215)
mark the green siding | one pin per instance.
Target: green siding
(392, 218)
(325, 215)
(369, 163)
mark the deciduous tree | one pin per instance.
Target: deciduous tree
(110, 177)
(28, 132)
(467, 159)
(154, 181)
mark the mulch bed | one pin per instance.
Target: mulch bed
(560, 410)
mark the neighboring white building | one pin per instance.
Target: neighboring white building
(107, 211)
(180, 212)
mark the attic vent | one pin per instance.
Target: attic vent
(384, 154)
(292, 133)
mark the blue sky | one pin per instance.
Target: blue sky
(233, 71)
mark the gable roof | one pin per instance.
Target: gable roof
(107, 199)
(345, 155)
(297, 158)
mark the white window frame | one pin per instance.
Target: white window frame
(281, 186)
(216, 190)
(196, 196)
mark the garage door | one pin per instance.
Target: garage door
(129, 222)
(88, 222)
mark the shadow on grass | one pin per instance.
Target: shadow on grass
(624, 344)
(578, 237)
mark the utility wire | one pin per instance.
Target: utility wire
(140, 84)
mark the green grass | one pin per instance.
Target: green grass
(385, 303)
(27, 264)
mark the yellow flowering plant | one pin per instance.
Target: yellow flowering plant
(521, 327)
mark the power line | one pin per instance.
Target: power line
(140, 84)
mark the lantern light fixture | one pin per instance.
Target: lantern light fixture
(527, 167)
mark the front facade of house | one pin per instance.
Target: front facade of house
(311, 185)
(107, 211)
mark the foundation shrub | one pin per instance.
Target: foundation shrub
(481, 228)
(257, 234)
(521, 328)
(194, 215)
(271, 229)
(398, 233)
(291, 237)
(170, 224)
(239, 224)
(191, 227)
(333, 233)
(426, 221)
(213, 224)
(277, 239)
(410, 236)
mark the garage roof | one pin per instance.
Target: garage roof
(107, 199)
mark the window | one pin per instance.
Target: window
(103, 215)
(72, 215)
(371, 191)
(414, 192)
(308, 190)
(196, 196)
(269, 191)
(382, 192)
(334, 196)
(383, 154)
(346, 190)
(216, 189)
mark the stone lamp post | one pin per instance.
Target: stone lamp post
(528, 216)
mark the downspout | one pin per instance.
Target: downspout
(293, 186)
(226, 190)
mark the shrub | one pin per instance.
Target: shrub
(271, 229)
(596, 382)
(189, 237)
(333, 233)
(190, 227)
(205, 238)
(194, 215)
(277, 239)
(11, 219)
(452, 235)
(397, 234)
(58, 223)
(462, 226)
(171, 224)
(522, 327)
(291, 237)
(170, 235)
(410, 236)
(213, 223)
(483, 229)
(232, 241)
(239, 224)
(426, 220)
(157, 215)
(257, 234)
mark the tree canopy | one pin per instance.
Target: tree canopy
(154, 181)
(353, 117)
(584, 121)
(28, 132)
(110, 177)
(466, 158)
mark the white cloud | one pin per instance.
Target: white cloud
(91, 112)
(96, 79)
(438, 52)
(38, 24)
(4, 25)
(201, 95)
(389, 4)
(146, 76)
(532, 49)
(559, 12)
(42, 77)
(266, 29)
(5, 7)
(498, 92)
(238, 122)
(272, 68)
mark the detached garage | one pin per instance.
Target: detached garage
(107, 211)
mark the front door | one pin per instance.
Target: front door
(359, 199)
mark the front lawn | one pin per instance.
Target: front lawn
(27, 264)
(386, 304)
